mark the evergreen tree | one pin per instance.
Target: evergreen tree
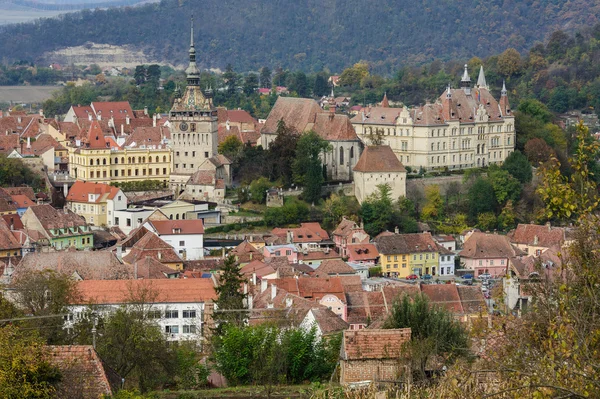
(321, 87)
(231, 299)
(250, 84)
(230, 78)
(308, 167)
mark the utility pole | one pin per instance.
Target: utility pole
(94, 330)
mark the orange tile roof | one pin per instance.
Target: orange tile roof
(361, 252)
(116, 109)
(374, 344)
(80, 190)
(22, 201)
(193, 290)
(151, 245)
(96, 137)
(537, 235)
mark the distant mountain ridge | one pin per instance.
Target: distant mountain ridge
(306, 34)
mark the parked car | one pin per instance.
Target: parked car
(427, 277)
(485, 276)
(412, 277)
(467, 276)
(467, 282)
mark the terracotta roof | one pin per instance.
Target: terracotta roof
(444, 295)
(379, 158)
(148, 136)
(203, 178)
(297, 113)
(7, 239)
(245, 252)
(7, 205)
(19, 125)
(220, 160)
(361, 252)
(9, 142)
(70, 130)
(334, 127)
(378, 116)
(307, 232)
(95, 137)
(120, 109)
(83, 371)
(170, 227)
(14, 220)
(351, 283)
(374, 344)
(80, 191)
(203, 264)
(151, 245)
(328, 321)
(22, 201)
(82, 111)
(482, 245)
(150, 268)
(406, 243)
(89, 265)
(537, 235)
(51, 218)
(256, 266)
(345, 227)
(318, 255)
(385, 103)
(23, 190)
(312, 287)
(166, 290)
(335, 266)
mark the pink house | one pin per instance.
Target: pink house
(488, 253)
(288, 250)
(348, 233)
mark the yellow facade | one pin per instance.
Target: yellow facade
(7, 253)
(93, 213)
(127, 165)
(403, 265)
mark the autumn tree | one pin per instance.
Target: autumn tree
(231, 147)
(538, 151)
(434, 204)
(25, 371)
(509, 62)
(352, 76)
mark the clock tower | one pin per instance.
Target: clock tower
(194, 127)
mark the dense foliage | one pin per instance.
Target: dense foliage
(303, 35)
(13, 172)
(270, 355)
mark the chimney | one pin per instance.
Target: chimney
(146, 111)
(12, 223)
(159, 255)
(99, 115)
(222, 252)
(127, 120)
(263, 285)
(251, 255)
(65, 210)
(122, 130)
(19, 119)
(549, 226)
(120, 252)
(273, 291)
(535, 240)
(154, 120)
(396, 230)
(65, 189)
(41, 112)
(253, 278)
(90, 116)
(29, 143)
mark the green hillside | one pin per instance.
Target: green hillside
(307, 34)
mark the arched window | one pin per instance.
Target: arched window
(122, 159)
(91, 162)
(341, 155)
(352, 152)
(104, 161)
(164, 158)
(438, 146)
(143, 159)
(478, 148)
(128, 159)
(432, 146)
(116, 160)
(97, 161)
(177, 217)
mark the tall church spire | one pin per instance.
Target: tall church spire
(481, 83)
(503, 92)
(193, 74)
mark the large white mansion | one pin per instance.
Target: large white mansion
(464, 128)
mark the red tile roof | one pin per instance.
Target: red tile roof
(379, 158)
(83, 371)
(335, 266)
(245, 252)
(151, 245)
(9, 142)
(444, 295)
(485, 246)
(312, 287)
(256, 266)
(537, 235)
(51, 218)
(170, 227)
(361, 252)
(406, 243)
(194, 290)
(22, 201)
(148, 136)
(120, 109)
(7, 238)
(96, 139)
(14, 220)
(307, 232)
(80, 191)
(374, 344)
(334, 127)
(22, 190)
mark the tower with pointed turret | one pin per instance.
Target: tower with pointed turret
(194, 126)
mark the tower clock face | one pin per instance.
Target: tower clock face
(183, 126)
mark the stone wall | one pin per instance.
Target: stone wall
(415, 188)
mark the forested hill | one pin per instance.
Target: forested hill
(307, 34)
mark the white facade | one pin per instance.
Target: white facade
(130, 219)
(178, 321)
(187, 246)
(446, 264)
(366, 183)
(118, 203)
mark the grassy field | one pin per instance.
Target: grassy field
(285, 391)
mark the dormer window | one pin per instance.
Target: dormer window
(176, 230)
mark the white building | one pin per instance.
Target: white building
(379, 165)
(185, 236)
(131, 218)
(446, 261)
(179, 306)
(465, 128)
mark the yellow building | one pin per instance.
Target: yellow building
(96, 202)
(142, 156)
(404, 254)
